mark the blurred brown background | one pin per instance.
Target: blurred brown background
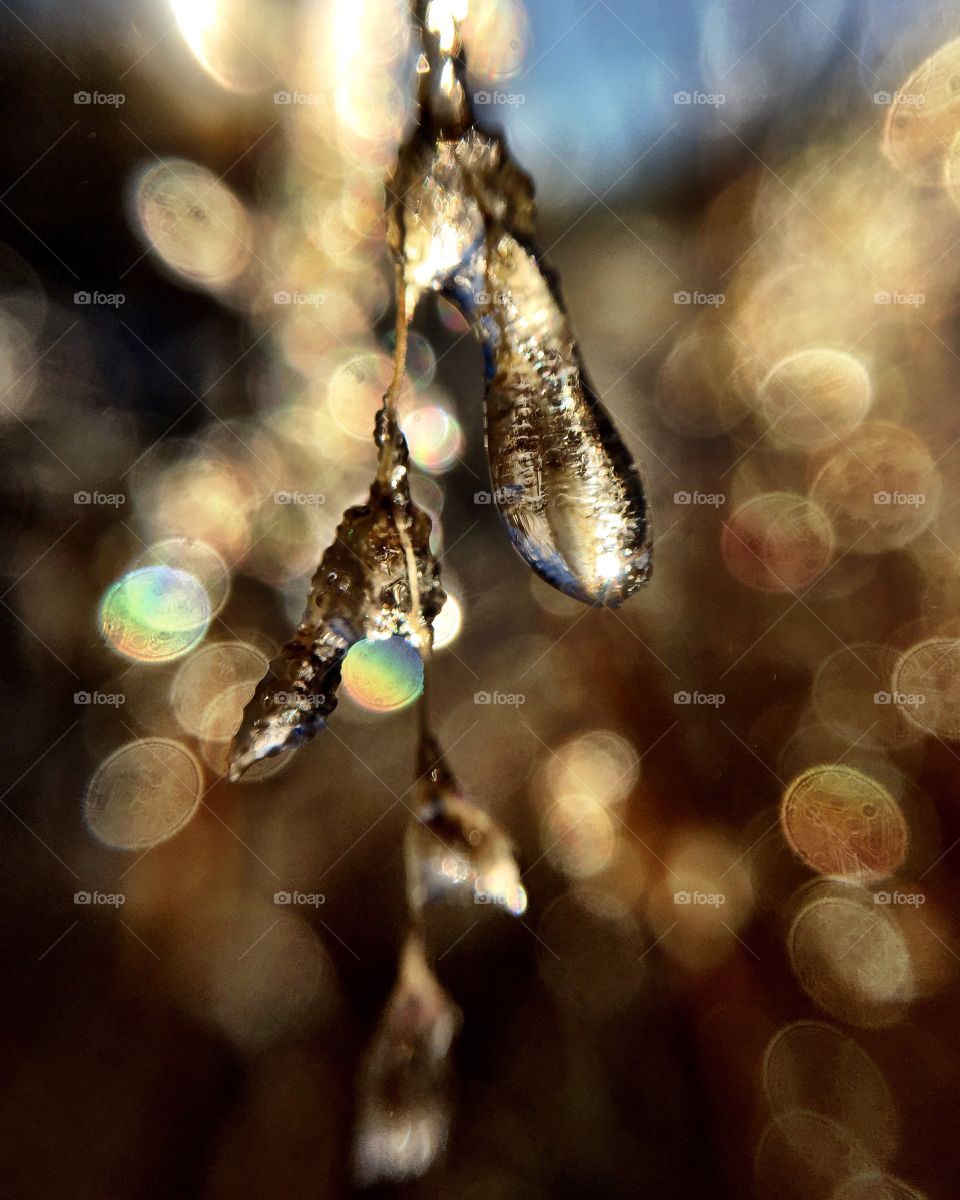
(734, 799)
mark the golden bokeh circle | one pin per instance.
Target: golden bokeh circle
(844, 823)
(143, 794)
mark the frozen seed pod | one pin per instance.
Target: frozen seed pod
(564, 481)
(403, 1105)
(378, 579)
(461, 222)
(455, 852)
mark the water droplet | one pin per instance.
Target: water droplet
(404, 1112)
(455, 851)
(562, 478)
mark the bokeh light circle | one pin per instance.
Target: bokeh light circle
(879, 487)
(256, 989)
(599, 765)
(924, 116)
(18, 379)
(803, 1154)
(951, 171)
(874, 1185)
(154, 614)
(697, 392)
(927, 680)
(193, 222)
(578, 839)
(777, 542)
(434, 437)
(451, 318)
(842, 822)
(850, 957)
(355, 393)
(235, 41)
(287, 536)
(496, 33)
(212, 686)
(446, 624)
(813, 396)
(383, 674)
(205, 497)
(197, 559)
(702, 899)
(813, 1066)
(852, 696)
(421, 359)
(143, 794)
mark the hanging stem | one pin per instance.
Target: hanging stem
(444, 103)
(388, 462)
(400, 351)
